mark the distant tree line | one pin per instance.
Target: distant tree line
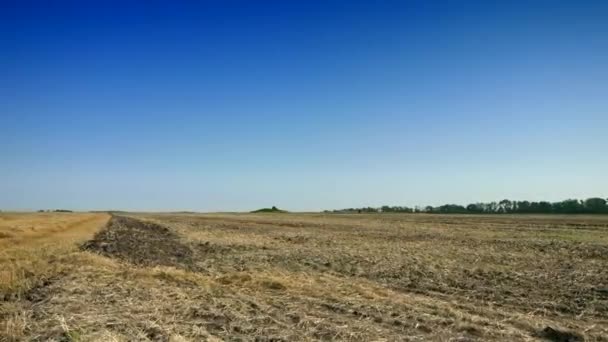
(594, 205)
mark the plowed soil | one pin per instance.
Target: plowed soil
(139, 242)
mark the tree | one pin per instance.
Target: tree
(569, 206)
(595, 205)
(504, 206)
(476, 208)
(524, 207)
(544, 207)
(451, 209)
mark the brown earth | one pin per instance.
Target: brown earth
(141, 243)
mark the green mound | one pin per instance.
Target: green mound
(269, 210)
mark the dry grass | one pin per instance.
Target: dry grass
(30, 247)
(304, 277)
(30, 243)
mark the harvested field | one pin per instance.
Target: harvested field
(304, 277)
(29, 244)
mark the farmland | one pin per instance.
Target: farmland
(299, 277)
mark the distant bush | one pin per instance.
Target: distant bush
(63, 211)
(269, 210)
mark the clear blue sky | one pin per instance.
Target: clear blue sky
(228, 105)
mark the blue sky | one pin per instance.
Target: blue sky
(228, 105)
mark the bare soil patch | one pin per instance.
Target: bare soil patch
(140, 242)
